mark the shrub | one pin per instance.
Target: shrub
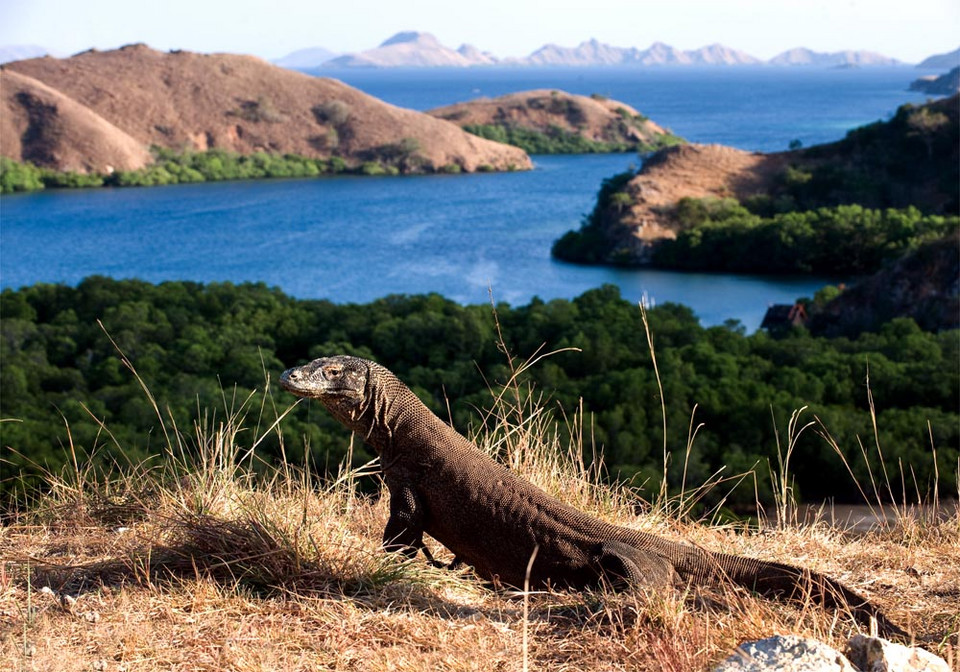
(16, 176)
(334, 113)
(372, 168)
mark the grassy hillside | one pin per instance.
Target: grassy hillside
(209, 564)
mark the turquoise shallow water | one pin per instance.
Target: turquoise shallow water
(353, 239)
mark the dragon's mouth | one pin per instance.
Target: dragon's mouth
(313, 386)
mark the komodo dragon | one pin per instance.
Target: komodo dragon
(443, 485)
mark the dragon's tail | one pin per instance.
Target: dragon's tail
(775, 579)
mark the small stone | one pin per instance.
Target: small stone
(91, 616)
(872, 654)
(788, 653)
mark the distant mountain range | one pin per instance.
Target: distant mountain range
(803, 56)
(416, 50)
(593, 52)
(412, 49)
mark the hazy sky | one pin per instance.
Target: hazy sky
(906, 30)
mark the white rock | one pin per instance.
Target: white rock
(789, 653)
(872, 654)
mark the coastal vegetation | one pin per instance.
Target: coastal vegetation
(69, 392)
(211, 166)
(588, 244)
(723, 235)
(557, 140)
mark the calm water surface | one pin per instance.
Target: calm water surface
(358, 238)
(354, 239)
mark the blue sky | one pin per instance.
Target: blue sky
(909, 31)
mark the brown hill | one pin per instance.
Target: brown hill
(184, 100)
(594, 118)
(644, 215)
(694, 171)
(43, 126)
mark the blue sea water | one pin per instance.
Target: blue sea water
(758, 108)
(353, 239)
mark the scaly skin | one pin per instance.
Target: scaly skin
(443, 485)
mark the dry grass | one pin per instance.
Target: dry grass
(203, 566)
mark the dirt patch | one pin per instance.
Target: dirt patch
(47, 128)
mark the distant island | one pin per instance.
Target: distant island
(413, 49)
(557, 122)
(938, 85)
(116, 112)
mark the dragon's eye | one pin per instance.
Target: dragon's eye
(332, 372)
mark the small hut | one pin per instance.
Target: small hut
(782, 316)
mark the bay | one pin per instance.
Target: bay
(354, 239)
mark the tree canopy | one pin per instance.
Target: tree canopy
(202, 350)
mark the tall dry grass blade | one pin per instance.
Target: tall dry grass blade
(526, 608)
(146, 390)
(824, 433)
(663, 402)
(783, 490)
(691, 435)
(936, 474)
(876, 441)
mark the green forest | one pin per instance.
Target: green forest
(724, 235)
(201, 350)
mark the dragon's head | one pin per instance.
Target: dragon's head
(338, 382)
